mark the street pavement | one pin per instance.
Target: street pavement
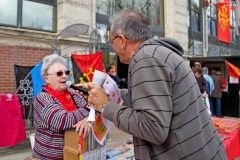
(115, 138)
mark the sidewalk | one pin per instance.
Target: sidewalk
(116, 137)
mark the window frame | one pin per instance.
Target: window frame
(211, 18)
(198, 12)
(20, 16)
(104, 19)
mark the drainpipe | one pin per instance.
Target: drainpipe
(205, 4)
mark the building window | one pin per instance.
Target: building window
(105, 7)
(103, 31)
(195, 15)
(154, 9)
(36, 15)
(212, 20)
(8, 12)
(123, 4)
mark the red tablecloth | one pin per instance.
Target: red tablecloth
(232, 144)
(229, 128)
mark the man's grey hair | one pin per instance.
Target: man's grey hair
(49, 60)
(132, 24)
(205, 70)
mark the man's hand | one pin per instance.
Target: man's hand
(97, 96)
(84, 85)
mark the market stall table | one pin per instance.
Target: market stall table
(229, 130)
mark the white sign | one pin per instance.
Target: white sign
(233, 80)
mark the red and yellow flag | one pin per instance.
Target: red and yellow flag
(84, 66)
(224, 21)
(233, 71)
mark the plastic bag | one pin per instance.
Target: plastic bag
(206, 103)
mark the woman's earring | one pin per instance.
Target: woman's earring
(46, 84)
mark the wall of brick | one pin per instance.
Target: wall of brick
(21, 55)
(6, 69)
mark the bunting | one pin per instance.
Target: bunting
(84, 66)
(233, 71)
(224, 21)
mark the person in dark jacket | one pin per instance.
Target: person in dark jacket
(163, 107)
(197, 70)
(110, 71)
(216, 95)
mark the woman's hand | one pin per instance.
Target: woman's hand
(82, 128)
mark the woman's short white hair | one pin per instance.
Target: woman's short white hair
(49, 60)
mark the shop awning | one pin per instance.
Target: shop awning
(213, 59)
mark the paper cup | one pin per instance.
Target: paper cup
(99, 77)
(91, 117)
(32, 139)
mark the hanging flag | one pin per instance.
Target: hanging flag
(23, 85)
(84, 66)
(233, 71)
(37, 81)
(224, 21)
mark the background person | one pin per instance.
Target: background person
(163, 107)
(216, 95)
(56, 109)
(197, 70)
(110, 71)
(209, 81)
(224, 83)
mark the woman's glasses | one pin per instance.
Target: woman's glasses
(60, 73)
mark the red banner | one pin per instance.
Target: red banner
(233, 71)
(224, 21)
(87, 64)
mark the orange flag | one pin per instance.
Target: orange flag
(224, 21)
(233, 71)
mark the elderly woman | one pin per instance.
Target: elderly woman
(55, 109)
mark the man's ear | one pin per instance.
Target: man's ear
(123, 40)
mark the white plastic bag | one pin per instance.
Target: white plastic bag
(208, 106)
(206, 103)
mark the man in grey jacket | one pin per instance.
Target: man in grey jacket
(163, 107)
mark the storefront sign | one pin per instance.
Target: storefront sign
(233, 80)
